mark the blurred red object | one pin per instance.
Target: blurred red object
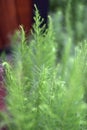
(12, 14)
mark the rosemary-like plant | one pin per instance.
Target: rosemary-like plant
(43, 94)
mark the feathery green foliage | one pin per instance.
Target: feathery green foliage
(41, 94)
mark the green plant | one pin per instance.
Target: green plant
(69, 21)
(43, 94)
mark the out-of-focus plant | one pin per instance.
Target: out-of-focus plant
(43, 94)
(69, 20)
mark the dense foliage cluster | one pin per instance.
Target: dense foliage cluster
(41, 93)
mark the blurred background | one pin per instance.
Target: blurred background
(69, 19)
(18, 12)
